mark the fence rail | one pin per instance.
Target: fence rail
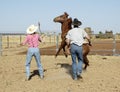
(10, 43)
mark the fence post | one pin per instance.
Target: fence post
(8, 41)
(114, 45)
(20, 39)
(57, 41)
(0, 44)
(50, 38)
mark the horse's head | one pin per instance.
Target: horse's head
(61, 18)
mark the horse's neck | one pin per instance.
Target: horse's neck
(66, 26)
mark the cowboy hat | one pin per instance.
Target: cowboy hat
(31, 29)
(76, 22)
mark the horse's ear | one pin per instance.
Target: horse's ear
(66, 13)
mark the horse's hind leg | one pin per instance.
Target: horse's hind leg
(58, 52)
(86, 50)
(61, 46)
(65, 49)
(86, 62)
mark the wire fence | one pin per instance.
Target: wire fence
(10, 45)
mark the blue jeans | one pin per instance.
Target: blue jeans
(33, 52)
(76, 53)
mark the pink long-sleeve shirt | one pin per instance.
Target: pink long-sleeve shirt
(32, 40)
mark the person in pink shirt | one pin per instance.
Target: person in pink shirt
(32, 40)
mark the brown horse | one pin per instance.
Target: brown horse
(65, 27)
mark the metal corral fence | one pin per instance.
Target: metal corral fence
(10, 44)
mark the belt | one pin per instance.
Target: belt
(75, 44)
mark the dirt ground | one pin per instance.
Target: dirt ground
(103, 75)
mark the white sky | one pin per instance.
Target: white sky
(100, 15)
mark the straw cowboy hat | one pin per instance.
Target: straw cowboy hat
(31, 29)
(76, 22)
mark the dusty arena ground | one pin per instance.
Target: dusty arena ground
(103, 75)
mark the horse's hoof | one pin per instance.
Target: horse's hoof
(55, 56)
(84, 68)
(66, 56)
